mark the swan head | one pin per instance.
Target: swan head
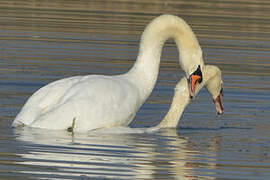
(214, 86)
(195, 78)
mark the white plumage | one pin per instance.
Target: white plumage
(97, 101)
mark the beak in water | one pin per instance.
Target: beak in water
(194, 78)
(218, 103)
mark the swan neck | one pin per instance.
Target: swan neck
(146, 68)
(180, 101)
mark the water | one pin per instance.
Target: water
(42, 41)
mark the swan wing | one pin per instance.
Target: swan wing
(92, 101)
(43, 100)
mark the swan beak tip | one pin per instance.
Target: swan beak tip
(220, 112)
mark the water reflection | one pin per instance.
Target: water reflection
(134, 153)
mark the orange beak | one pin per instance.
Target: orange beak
(218, 103)
(193, 80)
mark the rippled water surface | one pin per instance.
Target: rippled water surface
(43, 41)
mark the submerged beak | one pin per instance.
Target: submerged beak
(193, 81)
(218, 103)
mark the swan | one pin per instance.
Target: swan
(212, 80)
(98, 101)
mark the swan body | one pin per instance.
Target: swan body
(213, 83)
(50, 108)
(97, 101)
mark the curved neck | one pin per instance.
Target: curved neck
(180, 100)
(145, 70)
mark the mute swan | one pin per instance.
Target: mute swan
(97, 101)
(212, 79)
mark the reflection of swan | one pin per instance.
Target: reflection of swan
(51, 154)
(48, 154)
(212, 80)
(96, 101)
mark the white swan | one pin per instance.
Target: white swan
(212, 79)
(96, 101)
